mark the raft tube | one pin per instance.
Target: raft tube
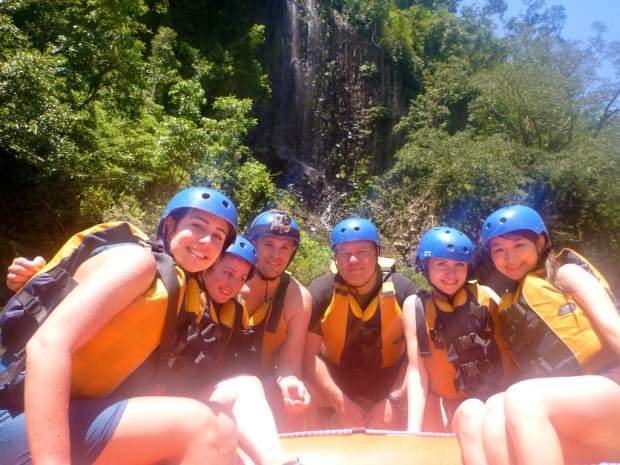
(372, 447)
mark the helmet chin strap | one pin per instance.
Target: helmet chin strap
(355, 289)
(267, 281)
(265, 278)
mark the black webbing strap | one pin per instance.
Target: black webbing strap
(278, 304)
(420, 322)
(168, 274)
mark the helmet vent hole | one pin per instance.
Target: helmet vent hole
(503, 220)
(206, 195)
(450, 247)
(356, 228)
(243, 245)
(226, 204)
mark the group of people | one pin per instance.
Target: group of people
(258, 353)
(531, 376)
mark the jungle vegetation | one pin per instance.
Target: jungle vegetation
(108, 107)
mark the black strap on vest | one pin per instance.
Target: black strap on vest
(420, 322)
(278, 303)
(168, 275)
(60, 280)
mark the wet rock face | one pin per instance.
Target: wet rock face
(334, 96)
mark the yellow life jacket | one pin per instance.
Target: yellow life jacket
(214, 333)
(547, 332)
(363, 339)
(125, 341)
(467, 354)
(269, 326)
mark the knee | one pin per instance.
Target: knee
(520, 404)
(215, 426)
(468, 418)
(226, 427)
(247, 384)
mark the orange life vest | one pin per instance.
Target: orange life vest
(468, 357)
(357, 338)
(547, 332)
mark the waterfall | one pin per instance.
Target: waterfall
(322, 104)
(302, 55)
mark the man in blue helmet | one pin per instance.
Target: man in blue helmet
(279, 308)
(355, 351)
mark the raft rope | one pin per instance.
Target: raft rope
(378, 432)
(351, 431)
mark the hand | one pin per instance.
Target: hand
(384, 415)
(21, 270)
(294, 394)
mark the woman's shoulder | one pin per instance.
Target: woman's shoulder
(127, 260)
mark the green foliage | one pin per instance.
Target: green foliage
(458, 180)
(369, 70)
(312, 259)
(254, 188)
(530, 101)
(100, 119)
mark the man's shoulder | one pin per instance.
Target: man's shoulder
(324, 281)
(321, 290)
(401, 279)
(296, 290)
(403, 285)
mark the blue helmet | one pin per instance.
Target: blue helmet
(447, 243)
(243, 249)
(276, 223)
(205, 199)
(354, 229)
(510, 219)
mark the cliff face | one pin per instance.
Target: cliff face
(334, 94)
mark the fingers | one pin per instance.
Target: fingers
(294, 394)
(21, 270)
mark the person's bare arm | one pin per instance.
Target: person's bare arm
(297, 309)
(591, 296)
(108, 282)
(417, 376)
(315, 371)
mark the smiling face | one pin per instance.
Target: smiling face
(447, 275)
(514, 256)
(273, 254)
(226, 278)
(196, 239)
(356, 261)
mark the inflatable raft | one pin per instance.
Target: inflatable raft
(372, 447)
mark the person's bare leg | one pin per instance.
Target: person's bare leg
(498, 447)
(256, 427)
(545, 415)
(172, 430)
(467, 424)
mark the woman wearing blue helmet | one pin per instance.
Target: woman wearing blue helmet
(453, 340)
(212, 339)
(563, 331)
(215, 342)
(98, 337)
